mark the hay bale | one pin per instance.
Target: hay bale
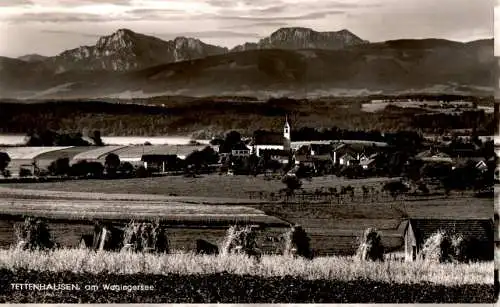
(241, 240)
(145, 237)
(297, 243)
(438, 248)
(33, 234)
(370, 246)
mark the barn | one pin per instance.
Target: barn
(417, 231)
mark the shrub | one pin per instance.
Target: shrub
(24, 172)
(141, 172)
(33, 234)
(59, 167)
(370, 247)
(297, 243)
(144, 237)
(126, 168)
(292, 183)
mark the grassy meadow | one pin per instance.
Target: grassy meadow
(321, 268)
(219, 186)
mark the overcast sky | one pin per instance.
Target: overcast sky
(48, 27)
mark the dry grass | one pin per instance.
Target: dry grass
(330, 268)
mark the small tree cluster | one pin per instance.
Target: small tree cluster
(145, 237)
(370, 247)
(297, 243)
(33, 234)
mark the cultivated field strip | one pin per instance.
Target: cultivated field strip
(8, 192)
(22, 153)
(98, 153)
(136, 152)
(124, 210)
(64, 153)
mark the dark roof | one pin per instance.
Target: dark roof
(268, 138)
(276, 152)
(481, 229)
(320, 149)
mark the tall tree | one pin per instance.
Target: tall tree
(4, 162)
(112, 163)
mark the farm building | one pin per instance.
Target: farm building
(159, 163)
(480, 231)
(240, 150)
(135, 153)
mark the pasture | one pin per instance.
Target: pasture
(218, 186)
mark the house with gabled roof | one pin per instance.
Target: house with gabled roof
(240, 150)
(479, 231)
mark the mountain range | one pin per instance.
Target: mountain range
(291, 61)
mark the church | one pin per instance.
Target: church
(276, 141)
(272, 141)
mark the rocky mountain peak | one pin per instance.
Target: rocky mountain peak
(304, 38)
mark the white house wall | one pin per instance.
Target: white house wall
(258, 148)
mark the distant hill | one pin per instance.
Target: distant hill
(32, 58)
(290, 62)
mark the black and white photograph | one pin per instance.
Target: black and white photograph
(249, 151)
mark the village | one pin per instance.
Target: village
(324, 168)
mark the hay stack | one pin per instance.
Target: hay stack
(297, 243)
(145, 237)
(370, 247)
(241, 240)
(438, 248)
(33, 234)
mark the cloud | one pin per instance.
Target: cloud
(15, 2)
(209, 34)
(57, 17)
(264, 24)
(313, 15)
(71, 32)
(160, 14)
(76, 3)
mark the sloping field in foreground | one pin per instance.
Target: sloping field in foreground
(166, 211)
(231, 288)
(322, 268)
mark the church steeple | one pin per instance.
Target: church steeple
(287, 133)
